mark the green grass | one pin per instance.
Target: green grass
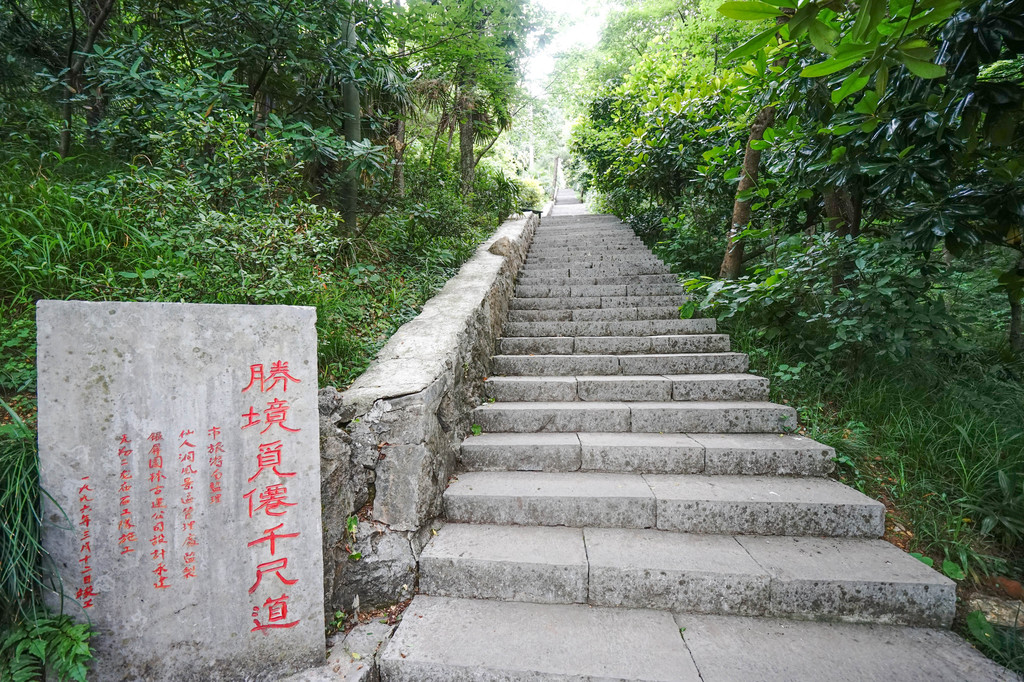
(938, 438)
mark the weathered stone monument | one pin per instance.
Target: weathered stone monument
(181, 444)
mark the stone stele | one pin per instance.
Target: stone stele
(181, 444)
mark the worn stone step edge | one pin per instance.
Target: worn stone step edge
(729, 505)
(444, 639)
(661, 388)
(757, 454)
(615, 365)
(850, 579)
(619, 345)
(596, 314)
(575, 328)
(637, 417)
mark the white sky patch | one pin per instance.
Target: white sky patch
(582, 22)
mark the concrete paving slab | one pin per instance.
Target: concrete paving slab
(551, 499)
(724, 416)
(553, 365)
(718, 387)
(765, 454)
(854, 580)
(683, 363)
(548, 345)
(521, 452)
(513, 563)
(552, 304)
(540, 315)
(467, 640)
(520, 389)
(732, 648)
(530, 417)
(617, 388)
(764, 505)
(660, 453)
(675, 571)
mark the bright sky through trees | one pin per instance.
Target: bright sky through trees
(578, 22)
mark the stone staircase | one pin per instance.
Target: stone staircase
(636, 509)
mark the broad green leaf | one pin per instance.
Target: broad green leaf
(980, 628)
(852, 85)
(881, 80)
(867, 104)
(922, 69)
(868, 18)
(926, 560)
(753, 45)
(799, 22)
(759, 145)
(830, 66)
(822, 36)
(917, 48)
(748, 11)
(953, 570)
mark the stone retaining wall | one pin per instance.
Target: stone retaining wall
(390, 441)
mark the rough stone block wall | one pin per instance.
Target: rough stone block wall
(390, 441)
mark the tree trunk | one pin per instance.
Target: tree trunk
(732, 263)
(353, 133)
(76, 65)
(467, 135)
(842, 216)
(1016, 323)
(399, 178)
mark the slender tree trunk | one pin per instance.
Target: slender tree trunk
(732, 263)
(353, 133)
(467, 136)
(399, 178)
(76, 66)
(843, 218)
(1016, 323)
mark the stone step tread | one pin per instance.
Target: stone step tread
(586, 302)
(756, 454)
(596, 314)
(866, 580)
(615, 365)
(722, 416)
(601, 345)
(445, 640)
(703, 387)
(584, 328)
(763, 505)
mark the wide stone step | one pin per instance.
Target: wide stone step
(605, 345)
(594, 266)
(591, 302)
(607, 365)
(725, 416)
(443, 639)
(590, 280)
(756, 454)
(526, 274)
(853, 579)
(611, 327)
(598, 290)
(595, 314)
(724, 505)
(701, 387)
(458, 640)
